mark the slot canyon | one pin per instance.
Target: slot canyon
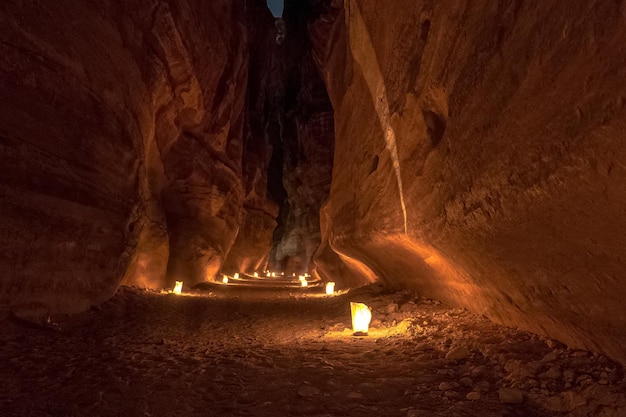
(182, 182)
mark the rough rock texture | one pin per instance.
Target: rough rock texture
(479, 157)
(121, 141)
(307, 135)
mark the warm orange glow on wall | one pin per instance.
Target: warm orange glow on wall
(330, 288)
(361, 317)
(178, 288)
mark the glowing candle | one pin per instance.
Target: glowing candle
(178, 288)
(304, 283)
(225, 279)
(301, 278)
(273, 274)
(256, 274)
(236, 276)
(361, 317)
(330, 288)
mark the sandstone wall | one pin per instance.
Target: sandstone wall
(480, 157)
(121, 140)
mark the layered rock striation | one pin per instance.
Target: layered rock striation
(479, 158)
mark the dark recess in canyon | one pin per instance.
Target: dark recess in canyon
(470, 150)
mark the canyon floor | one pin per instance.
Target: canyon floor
(231, 351)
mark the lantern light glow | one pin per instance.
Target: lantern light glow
(256, 274)
(361, 317)
(225, 279)
(330, 288)
(304, 283)
(178, 288)
(236, 276)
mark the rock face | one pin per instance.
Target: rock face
(479, 157)
(122, 136)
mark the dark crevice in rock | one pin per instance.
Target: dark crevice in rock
(435, 125)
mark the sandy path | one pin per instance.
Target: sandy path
(269, 354)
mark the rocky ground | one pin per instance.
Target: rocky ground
(240, 352)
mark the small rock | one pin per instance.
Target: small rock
(445, 386)
(552, 373)
(568, 375)
(573, 399)
(457, 353)
(451, 394)
(410, 306)
(473, 396)
(466, 382)
(550, 357)
(554, 404)
(511, 396)
(532, 383)
(413, 413)
(482, 386)
(354, 396)
(478, 371)
(308, 391)
(392, 308)
(582, 378)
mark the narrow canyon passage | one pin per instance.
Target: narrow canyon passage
(244, 352)
(457, 165)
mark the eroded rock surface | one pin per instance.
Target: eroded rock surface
(479, 157)
(122, 136)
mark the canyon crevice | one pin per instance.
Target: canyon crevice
(469, 150)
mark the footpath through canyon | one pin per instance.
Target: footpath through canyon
(230, 351)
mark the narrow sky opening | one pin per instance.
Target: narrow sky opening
(276, 7)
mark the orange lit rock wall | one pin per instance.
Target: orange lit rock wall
(480, 157)
(121, 140)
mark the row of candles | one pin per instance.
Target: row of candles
(330, 286)
(361, 313)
